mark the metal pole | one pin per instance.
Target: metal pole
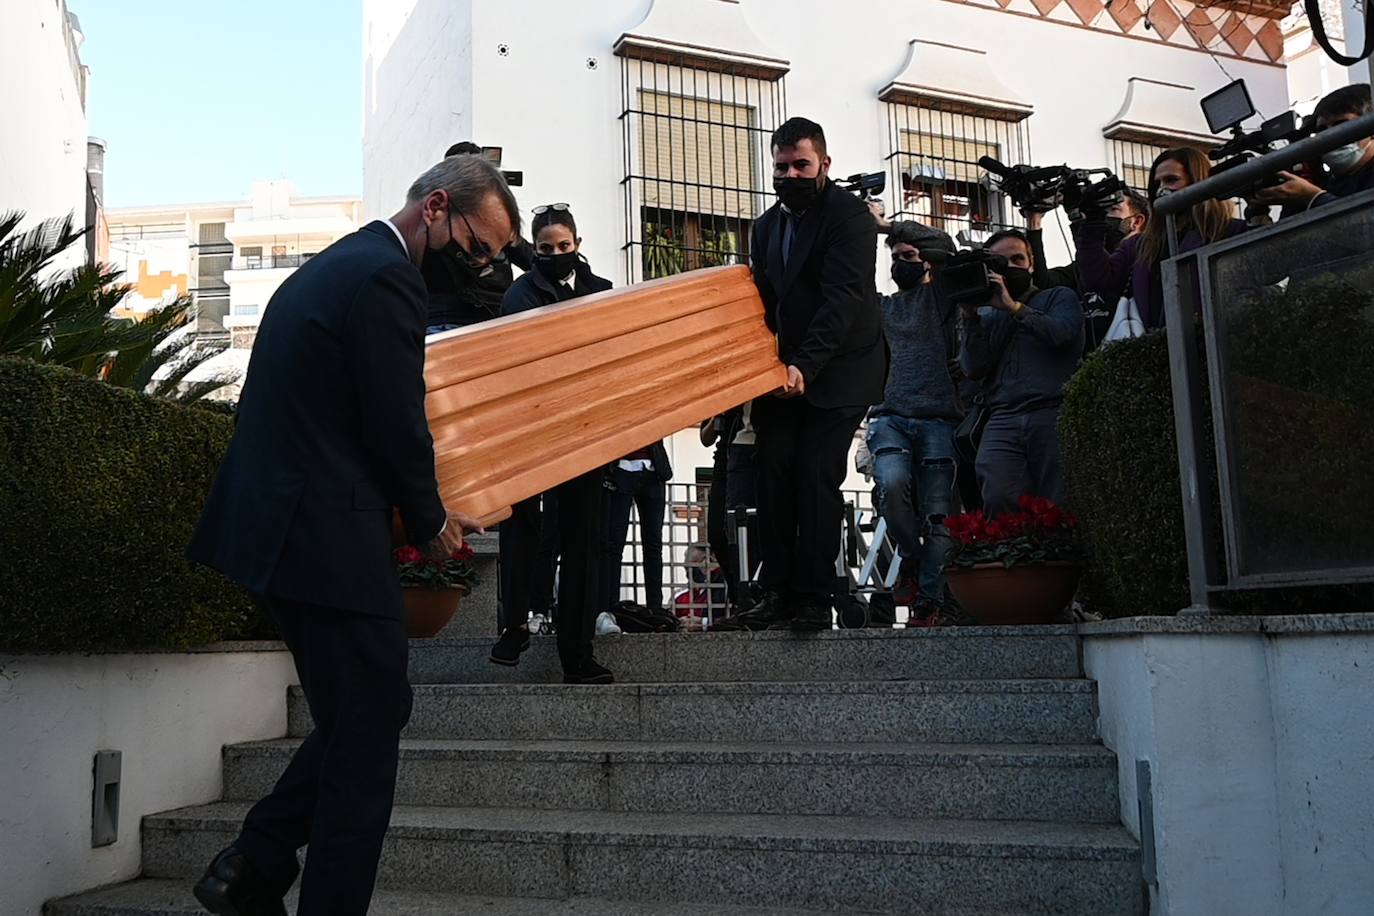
(1233, 181)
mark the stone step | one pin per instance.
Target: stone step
(1042, 711)
(982, 782)
(869, 655)
(829, 863)
(164, 897)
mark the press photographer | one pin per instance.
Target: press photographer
(911, 433)
(1024, 344)
(1351, 166)
(1133, 269)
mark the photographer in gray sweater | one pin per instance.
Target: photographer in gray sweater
(1025, 344)
(911, 433)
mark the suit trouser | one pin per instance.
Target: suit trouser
(336, 793)
(644, 491)
(527, 573)
(803, 451)
(581, 539)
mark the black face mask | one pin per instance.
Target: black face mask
(908, 274)
(556, 267)
(444, 273)
(797, 194)
(1116, 233)
(1018, 281)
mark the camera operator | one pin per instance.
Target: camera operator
(814, 256)
(1351, 166)
(1024, 343)
(461, 295)
(1122, 220)
(1134, 267)
(911, 433)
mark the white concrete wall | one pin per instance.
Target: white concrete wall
(42, 117)
(557, 120)
(1261, 748)
(417, 91)
(170, 715)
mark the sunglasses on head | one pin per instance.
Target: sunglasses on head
(545, 208)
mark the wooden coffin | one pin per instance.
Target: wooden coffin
(523, 403)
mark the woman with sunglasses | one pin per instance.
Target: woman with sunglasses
(560, 273)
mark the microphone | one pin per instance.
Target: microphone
(992, 165)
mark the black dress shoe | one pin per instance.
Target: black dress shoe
(770, 610)
(811, 618)
(508, 648)
(587, 671)
(232, 886)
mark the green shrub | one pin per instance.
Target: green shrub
(100, 489)
(1121, 466)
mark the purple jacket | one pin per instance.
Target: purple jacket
(1108, 275)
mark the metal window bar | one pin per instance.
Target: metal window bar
(696, 162)
(690, 587)
(693, 586)
(933, 157)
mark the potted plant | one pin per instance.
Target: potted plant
(1018, 567)
(432, 588)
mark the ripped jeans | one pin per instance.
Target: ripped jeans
(914, 467)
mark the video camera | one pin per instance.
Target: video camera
(965, 276)
(493, 155)
(868, 186)
(1042, 189)
(1226, 109)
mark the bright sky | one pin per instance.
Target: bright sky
(199, 99)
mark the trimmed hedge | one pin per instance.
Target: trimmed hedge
(100, 489)
(1121, 465)
(1121, 468)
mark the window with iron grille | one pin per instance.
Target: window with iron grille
(696, 160)
(933, 153)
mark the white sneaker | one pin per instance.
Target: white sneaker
(606, 625)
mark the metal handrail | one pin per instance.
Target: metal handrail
(1231, 182)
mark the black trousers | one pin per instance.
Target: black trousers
(645, 492)
(581, 537)
(336, 793)
(734, 485)
(803, 451)
(526, 575)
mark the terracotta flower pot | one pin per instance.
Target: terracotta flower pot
(997, 596)
(428, 610)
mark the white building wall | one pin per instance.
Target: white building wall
(417, 91)
(42, 115)
(169, 714)
(1260, 747)
(517, 76)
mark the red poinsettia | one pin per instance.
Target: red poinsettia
(415, 570)
(1041, 532)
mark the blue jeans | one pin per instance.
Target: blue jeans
(914, 469)
(1019, 455)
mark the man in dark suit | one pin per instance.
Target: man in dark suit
(814, 255)
(330, 438)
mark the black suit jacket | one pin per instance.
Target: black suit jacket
(330, 435)
(824, 305)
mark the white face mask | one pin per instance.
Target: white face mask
(1163, 193)
(1343, 158)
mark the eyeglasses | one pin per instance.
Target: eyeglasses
(545, 208)
(481, 254)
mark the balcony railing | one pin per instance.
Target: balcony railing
(270, 261)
